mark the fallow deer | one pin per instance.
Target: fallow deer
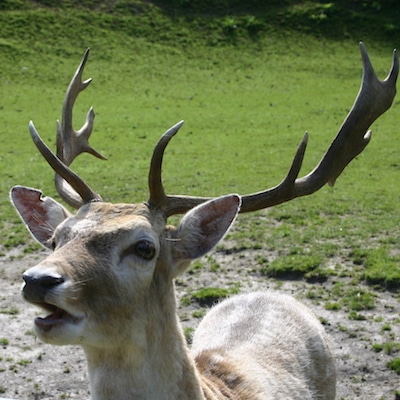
(108, 286)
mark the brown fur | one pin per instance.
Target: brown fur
(221, 379)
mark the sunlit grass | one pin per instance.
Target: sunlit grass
(245, 110)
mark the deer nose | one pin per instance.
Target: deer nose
(37, 286)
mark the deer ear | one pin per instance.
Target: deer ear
(203, 227)
(41, 215)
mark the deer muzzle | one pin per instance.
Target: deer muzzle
(45, 289)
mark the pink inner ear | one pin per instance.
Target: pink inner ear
(29, 204)
(218, 211)
(203, 226)
(34, 212)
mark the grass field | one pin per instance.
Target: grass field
(247, 90)
(245, 106)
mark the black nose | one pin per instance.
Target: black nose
(37, 286)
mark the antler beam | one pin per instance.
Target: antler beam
(77, 185)
(374, 98)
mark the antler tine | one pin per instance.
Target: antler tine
(71, 143)
(283, 191)
(374, 98)
(170, 205)
(87, 195)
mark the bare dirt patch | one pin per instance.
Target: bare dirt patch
(30, 369)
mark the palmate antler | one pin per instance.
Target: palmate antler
(374, 98)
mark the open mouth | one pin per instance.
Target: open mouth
(57, 317)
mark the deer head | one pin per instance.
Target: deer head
(108, 285)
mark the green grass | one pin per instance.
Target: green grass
(348, 296)
(375, 261)
(246, 107)
(211, 295)
(395, 365)
(295, 265)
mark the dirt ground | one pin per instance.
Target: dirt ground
(30, 369)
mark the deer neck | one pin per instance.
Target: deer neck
(153, 363)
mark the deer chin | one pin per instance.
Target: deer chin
(60, 326)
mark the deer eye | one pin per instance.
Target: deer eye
(144, 249)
